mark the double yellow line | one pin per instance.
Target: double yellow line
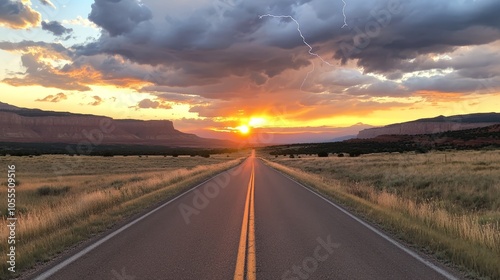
(246, 248)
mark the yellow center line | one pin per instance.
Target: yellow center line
(246, 248)
(251, 266)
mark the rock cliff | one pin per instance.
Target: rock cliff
(433, 125)
(36, 126)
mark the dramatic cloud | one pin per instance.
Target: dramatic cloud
(208, 44)
(119, 17)
(47, 65)
(54, 98)
(225, 60)
(43, 74)
(18, 14)
(39, 60)
(393, 34)
(56, 28)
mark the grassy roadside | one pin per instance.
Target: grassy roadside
(464, 239)
(56, 216)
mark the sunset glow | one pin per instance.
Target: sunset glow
(257, 122)
(231, 72)
(243, 129)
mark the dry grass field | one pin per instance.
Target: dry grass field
(63, 200)
(445, 203)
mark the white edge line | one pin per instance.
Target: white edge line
(91, 247)
(378, 232)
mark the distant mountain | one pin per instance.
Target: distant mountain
(469, 118)
(471, 139)
(38, 126)
(5, 106)
(433, 125)
(459, 139)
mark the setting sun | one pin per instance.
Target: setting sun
(244, 129)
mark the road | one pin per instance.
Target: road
(250, 222)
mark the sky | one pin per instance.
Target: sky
(304, 70)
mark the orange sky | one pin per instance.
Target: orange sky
(215, 74)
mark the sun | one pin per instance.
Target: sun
(244, 129)
(247, 125)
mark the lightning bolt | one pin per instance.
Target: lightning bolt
(304, 39)
(343, 13)
(305, 42)
(300, 33)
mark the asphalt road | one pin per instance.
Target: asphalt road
(250, 222)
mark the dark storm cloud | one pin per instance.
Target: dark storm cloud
(421, 27)
(204, 46)
(450, 83)
(209, 44)
(56, 28)
(223, 50)
(477, 63)
(119, 16)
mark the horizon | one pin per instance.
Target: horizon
(229, 69)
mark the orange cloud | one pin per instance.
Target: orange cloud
(97, 101)
(53, 98)
(435, 96)
(19, 15)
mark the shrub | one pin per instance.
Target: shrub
(48, 190)
(322, 154)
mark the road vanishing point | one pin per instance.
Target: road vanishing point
(250, 222)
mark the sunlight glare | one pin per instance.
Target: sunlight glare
(256, 122)
(244, 129)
